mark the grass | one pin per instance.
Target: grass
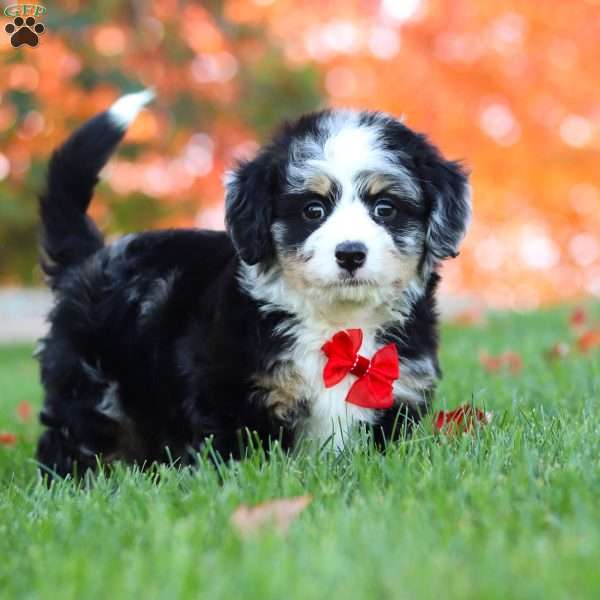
(509, 512)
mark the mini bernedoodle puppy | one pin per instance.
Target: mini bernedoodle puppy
(315, 311)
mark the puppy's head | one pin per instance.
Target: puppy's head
(348, 205)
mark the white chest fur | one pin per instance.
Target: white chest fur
(331, 416)
(300, 378)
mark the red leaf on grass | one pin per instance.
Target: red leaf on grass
(474, 315)
(280, 513)
(7, 439)
(461, 419)
(490, 363)
(513, 361)
(24, 411)
(578, 318)
(507, 360)
(589, 340)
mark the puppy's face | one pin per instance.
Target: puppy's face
(350, 205)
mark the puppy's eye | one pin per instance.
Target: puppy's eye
(384, 210)
(314, 212)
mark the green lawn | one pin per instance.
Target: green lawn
(510, 512)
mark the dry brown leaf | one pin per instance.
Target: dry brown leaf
(279, 513)
(558, 351)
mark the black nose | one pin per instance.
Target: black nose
(351, 255)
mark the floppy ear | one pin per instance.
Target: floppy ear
(248, 209)
(447, 185)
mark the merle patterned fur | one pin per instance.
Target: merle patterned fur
(156, 341)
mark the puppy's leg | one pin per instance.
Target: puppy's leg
(57, 456)
(396, 424)
(81, 411)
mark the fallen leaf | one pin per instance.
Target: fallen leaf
(7, 439)
(578, 318)
(461, 419)
(589, 340)
(24, 411)
(507, 360)
(513, 361)
(557, 351)
(471, 316)
(280, 513)
(490, 363)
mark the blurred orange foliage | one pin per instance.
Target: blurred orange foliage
(509, 87)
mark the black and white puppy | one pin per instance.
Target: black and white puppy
(164, 340)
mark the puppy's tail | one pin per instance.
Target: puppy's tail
(68, 235)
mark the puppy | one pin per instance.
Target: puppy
(314, 313)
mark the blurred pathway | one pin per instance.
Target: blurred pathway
(23, 313)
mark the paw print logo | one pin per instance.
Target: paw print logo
(25, 31)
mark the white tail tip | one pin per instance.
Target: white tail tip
(126, 108)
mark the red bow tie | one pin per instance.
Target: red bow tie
(373, 388)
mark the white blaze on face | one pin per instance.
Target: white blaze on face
(350, 221)
(346, 151)
(350, 149)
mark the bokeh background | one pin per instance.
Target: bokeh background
(510, 87)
